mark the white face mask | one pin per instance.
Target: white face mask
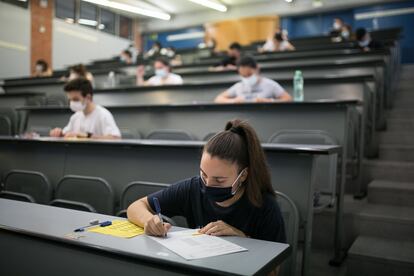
(39, 68)
(345, 34)
(250, 81)
(77, 106)
(336, 26)
(162, 73)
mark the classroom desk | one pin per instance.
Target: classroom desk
(22, 99)
(33, 243)
(120, 162)
(353, 87)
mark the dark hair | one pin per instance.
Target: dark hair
(79, 69)
(164, 61)
(157, 43)
(360, 33)
(42, 63)
(278, 36)
(235, 46)
(248, 61)
(80, 84)
(239, 143)
(127, 52)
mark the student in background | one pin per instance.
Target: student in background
(253, 87)
(154, 51)
(163, 75)
(365, 42)
(279, 44)
(79, 71)
(42, 69)
(346, 32)
(337, 29)
(126, 57)
(90, 120)
(232, 196)
(231, 60)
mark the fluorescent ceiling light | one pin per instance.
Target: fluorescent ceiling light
(131, 9)
(211, 4)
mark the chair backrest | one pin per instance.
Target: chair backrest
(94, 191)
(209, 135)
(138, 189)
(170, 134)
(31, 183)
(128, 133)
(291, 219)
(10, 113)
(16, 196)
(5, 126)
(326, 166)
(41, 130)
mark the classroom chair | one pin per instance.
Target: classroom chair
(85, 193)
(12, 122)
(291, 218)
(170, 134)
(5, 126)
(138, 189)
(128, 133)
(325, 168)
(27, 186)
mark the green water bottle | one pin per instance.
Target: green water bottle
(298, 86)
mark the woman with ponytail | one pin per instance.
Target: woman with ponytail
(232, 196)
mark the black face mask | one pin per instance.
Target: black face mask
(218, 194)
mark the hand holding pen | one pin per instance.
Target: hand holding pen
(156, 226)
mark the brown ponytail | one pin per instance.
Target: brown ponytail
(239, 143)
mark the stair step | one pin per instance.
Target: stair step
(397, 137)
(400, 124)
(380, 257)
(391, 193)
(388, 170)
(395, 152)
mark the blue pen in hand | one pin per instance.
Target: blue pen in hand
(158, 210)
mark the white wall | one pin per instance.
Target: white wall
(14, 41)
(266, 7)
(78, 44)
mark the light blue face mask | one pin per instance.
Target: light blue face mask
(162, 73)
(250, 81)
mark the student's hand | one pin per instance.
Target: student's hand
(71, 135)
(140, 71)
(220, 228)
(238, 99)
(56, 132)
(154, 227)
(264, 100)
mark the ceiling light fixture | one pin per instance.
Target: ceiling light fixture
(211, 4)
(131, 9)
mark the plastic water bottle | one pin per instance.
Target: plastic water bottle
(111, 79)
(298, 86)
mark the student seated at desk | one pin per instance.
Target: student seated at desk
(42, 69)
(365, 42)
(279, 43)
(126, 57)
(90, 120)
(231, 60)
(232, 196)
(253, 87)
(163, 75)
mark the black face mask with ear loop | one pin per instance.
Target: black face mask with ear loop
(218, 194)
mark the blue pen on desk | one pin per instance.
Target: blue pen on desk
(158, 209)
(94, 223)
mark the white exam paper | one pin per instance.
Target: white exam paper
(192, 247)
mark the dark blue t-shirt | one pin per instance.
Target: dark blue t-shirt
(186, 199)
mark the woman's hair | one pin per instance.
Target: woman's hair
(79, 69)
(239, 143)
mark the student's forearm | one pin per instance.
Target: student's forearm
(139, 212)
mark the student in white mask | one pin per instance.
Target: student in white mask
(42, 69)
(90, 120)
(253, 87)
(163, 75)
(365, 42)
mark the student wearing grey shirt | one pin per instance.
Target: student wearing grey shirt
(253, 87)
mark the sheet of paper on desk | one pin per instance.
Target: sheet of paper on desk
(190, 246)
(119, 228)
